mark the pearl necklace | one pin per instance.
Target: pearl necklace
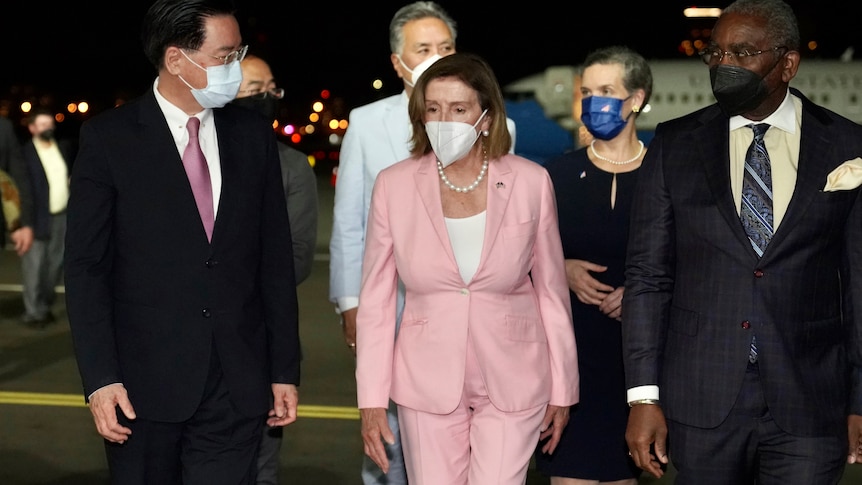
(470, 187)
(614, 162)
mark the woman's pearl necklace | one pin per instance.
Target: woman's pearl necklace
(614, 162)
(470, 187)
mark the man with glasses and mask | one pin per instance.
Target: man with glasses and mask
(741, 341)
(258, 92)
(180, 282)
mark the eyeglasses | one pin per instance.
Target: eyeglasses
(276, 93)
(714, 55)
(237, 55)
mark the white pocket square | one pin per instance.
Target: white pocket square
(847, 176)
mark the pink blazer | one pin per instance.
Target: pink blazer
(516, 309)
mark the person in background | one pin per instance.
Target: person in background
(180, 283)
(260, 93)
(20, 231)
(378, 136)
(485, 362)
(741, 338)
(594, 186)
(47, 162)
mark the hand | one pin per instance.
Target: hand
(103, 406)
(285, 401)
(556, 419)
(647, 427)
(589, 290)
(612, 305)
(854, 426)
(348, 326)
(22, 238)
(375, 427)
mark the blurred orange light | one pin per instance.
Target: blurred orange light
(71, 107)
(702, 12)
(296, 138)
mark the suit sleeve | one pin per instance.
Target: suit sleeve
(347, 242)
(649, 279)
(549, 280)
(300, 190)
(374, 325)
(88, 263)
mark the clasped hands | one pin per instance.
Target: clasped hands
(591, 291)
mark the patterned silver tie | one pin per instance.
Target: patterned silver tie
(756, 210)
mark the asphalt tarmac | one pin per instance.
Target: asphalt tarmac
(47, 436)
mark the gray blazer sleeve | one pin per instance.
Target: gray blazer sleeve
(300, 190)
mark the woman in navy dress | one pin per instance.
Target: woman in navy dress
(594, 187)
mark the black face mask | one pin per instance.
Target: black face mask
(265, 105)
(47, 135)
(737, 90)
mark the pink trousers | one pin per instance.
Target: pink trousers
(476, 444)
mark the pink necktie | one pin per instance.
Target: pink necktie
(199, 176)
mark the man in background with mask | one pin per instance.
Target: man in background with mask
(47, 163)
(180, 281)
(741, 338)
(259, 92)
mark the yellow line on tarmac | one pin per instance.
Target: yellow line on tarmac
(76, 400)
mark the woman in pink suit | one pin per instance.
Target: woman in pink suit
(484, 365)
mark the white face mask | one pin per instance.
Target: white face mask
(451, 140)
(419, 69)
(223, 83)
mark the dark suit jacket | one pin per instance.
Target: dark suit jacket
(693, 280)
(41, 220)
(148, 296)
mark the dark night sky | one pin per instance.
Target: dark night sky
(90, 49)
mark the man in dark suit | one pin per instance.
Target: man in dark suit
(180, 289)
(47, 161)
(753, 340)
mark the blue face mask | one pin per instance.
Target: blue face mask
(603, 117)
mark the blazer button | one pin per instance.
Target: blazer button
(465, 291)
(206, 313)
(211, 263)
(746, 324)
(758, 273)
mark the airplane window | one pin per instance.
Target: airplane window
(685, 98)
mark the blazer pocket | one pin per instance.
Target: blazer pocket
(522, 229)
(522, 328)
(683, 321)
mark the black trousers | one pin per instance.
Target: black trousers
(748, 448)
(215, 446)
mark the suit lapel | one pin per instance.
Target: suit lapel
(712, 138)
(501, 186)
(814, 150)
(428, 188)
(229, 156)
(398, 129)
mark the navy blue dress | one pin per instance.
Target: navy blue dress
(593, 443)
